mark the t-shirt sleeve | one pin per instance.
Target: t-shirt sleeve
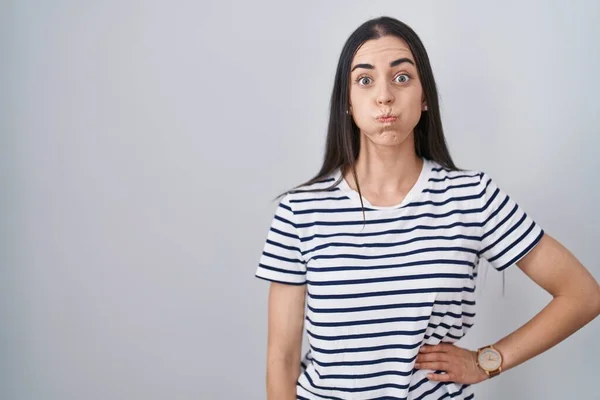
(281, 260)
(508, 233)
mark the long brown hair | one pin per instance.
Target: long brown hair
(343, 135)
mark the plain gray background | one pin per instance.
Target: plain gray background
(142, 144)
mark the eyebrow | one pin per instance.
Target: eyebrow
(392, 64)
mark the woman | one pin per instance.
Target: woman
(382, 247)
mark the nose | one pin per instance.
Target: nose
(384, 94)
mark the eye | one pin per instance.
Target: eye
(360, 80)
(405, 78)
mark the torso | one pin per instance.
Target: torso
(377, 292)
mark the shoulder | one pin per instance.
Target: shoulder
(322, 189)
(445, 178)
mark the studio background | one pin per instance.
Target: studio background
(142, 144)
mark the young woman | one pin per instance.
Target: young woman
(377, 255)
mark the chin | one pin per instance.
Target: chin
(388, 137)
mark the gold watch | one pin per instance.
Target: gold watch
(489, 359)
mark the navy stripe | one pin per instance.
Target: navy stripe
(496, 212)
(380, 256)
(286, 271)
(506, 234)
(422, 381)
(367, 376)
(518, 257)
(313, 190)
(388, 279)
(325, 180)
(366, 349)
(286, 283)
(291, 260)
(329, 397)
(319, 199)
(286, 207)
(334, 210)
(505, 220)
(375, 267)
(446, 326)
(282, 233)
(368, 321)
(450, 200)
(440, 337)
(388, 220)
(439, 191)
(283, 246)
(418, 384)
(451, 314)
(454, 394)
(389, 306)
(366, 362)
(366, 335)
(285, 221)
(452, 177)
(430, 391)
(353, 390)
(390, 293)
(393, 231)
(390, 244)
(359, 209)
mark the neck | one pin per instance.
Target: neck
(386, 169)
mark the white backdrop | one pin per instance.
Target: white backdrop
(142, 143)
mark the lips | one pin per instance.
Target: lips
(387, 118)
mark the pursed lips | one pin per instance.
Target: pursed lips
(387, 118)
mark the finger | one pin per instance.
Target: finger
(432, 357)
(441, 365)
(438, 348)
(439, 377)
(445, 347)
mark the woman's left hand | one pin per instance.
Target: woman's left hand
(458, 363)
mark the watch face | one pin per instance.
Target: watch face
(489, 359)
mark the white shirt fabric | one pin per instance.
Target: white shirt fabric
(379, 289)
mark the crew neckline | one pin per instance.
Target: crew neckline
(417, 188)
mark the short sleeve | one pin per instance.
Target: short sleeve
(281, 260)
(508, 233)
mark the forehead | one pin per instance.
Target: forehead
(382, 50)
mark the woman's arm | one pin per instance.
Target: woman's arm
(576, 301)
(286, 322)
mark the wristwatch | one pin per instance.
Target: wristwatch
(489, 359)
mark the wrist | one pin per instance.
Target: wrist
(489, 359)
(481, 374)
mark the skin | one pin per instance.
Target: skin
(387, 168)
(575, 302)
(387, 165)
(284, 342)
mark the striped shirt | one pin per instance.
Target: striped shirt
(378, 289)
